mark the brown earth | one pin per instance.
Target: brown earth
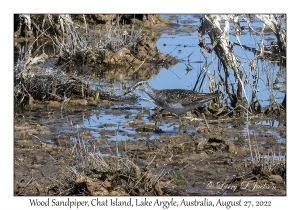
(201, 163)
(218, 162)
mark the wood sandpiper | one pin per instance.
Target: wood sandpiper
(177, 101)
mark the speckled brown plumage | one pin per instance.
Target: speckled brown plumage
(185, 97)
(177, 101)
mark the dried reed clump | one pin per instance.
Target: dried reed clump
(95, 174)
(49, 84)
(42, 79)
(83, 46)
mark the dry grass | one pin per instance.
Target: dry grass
(95, 174)
(81, 46)
(44, 78)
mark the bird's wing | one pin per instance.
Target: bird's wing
(186, 97)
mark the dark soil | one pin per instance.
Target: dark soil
(51, 158)
(201, 163)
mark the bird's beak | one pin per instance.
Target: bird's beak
(128, 91)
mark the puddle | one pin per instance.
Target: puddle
(269, 157)
(273, 123)
(280, 139)
(112, 124)
(49, 141)
(180, 42)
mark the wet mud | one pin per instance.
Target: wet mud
(218, 162)
(85, 142)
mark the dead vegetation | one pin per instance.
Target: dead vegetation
(95, 174)
(43, 78)
(220, 29)
(267, 55)
(115, 49)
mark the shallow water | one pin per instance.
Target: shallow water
(182, 43)
(111, 127)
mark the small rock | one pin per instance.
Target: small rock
(276, 178)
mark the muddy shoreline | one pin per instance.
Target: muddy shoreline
(75, 139)
(201, 163)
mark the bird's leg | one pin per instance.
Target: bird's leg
(180, 124)
(203, 115)
(157, 117)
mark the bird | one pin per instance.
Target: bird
(177, 101)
